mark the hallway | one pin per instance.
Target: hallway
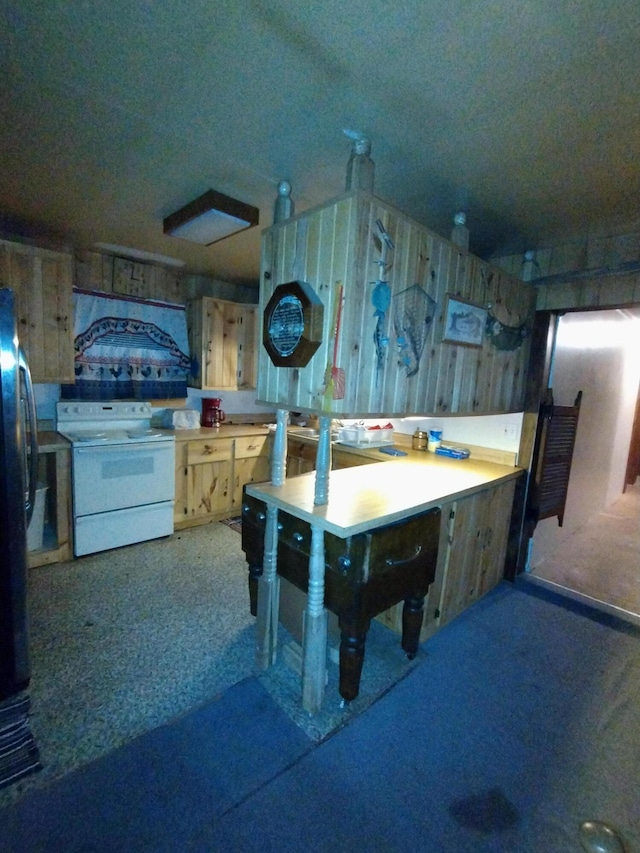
(600, 562)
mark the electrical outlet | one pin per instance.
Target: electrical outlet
(511, 432)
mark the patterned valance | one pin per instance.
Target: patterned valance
(127, 348)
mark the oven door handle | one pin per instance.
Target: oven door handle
(127, 447)
(32, 428)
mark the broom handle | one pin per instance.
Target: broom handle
(337, 330)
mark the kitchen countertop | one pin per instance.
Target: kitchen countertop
(231, 431)
(50, 442)
(373, 495)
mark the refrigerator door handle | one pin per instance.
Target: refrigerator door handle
(32, 426)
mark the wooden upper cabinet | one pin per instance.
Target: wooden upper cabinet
(222, 339)
(43, 284)
(383, 350)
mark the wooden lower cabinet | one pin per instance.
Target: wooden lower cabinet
(301, 457)
(251, 464)
(210, 474)
(203, 481)
(473, 544)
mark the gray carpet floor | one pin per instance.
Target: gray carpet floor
(127, 640)
(521, 722)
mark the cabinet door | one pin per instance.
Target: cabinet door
(246, 331)
(222, 339)
(180, 503)
(495, 532)
(463, 552)
(477, 547)
(42, 281)
(209, 477)
(251, 464)
(346, 459)
(301, 457)
(254, 469)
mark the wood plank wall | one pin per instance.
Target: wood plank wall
(111, 274)
(591, 273)
(337, 243)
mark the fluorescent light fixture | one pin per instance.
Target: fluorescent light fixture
(138, 254)
(211, 217)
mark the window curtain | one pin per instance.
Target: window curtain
(127, 348)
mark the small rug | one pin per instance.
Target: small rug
(18, 751)
(234, 523)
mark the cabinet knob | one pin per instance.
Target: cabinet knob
(344, 562)
(298, 537)
(261, 516)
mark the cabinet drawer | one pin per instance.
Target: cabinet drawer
(209, 450)
(251, 445)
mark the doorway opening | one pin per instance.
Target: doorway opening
(594, 554)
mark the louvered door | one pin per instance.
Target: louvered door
(556, 452)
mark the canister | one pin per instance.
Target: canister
(419, 440)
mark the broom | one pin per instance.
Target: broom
(337, 373)
(334, 377)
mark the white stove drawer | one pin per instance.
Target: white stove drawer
(93, 533)
(110, 477)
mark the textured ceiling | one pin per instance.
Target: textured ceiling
(114, 113)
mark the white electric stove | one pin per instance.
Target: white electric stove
(123, 474)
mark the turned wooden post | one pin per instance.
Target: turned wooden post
(269, 582)
(314, 652)
(268, 595)
(323, 462)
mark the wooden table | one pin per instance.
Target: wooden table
(361, 500)
(365, 574)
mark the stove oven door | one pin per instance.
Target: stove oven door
(122, 493)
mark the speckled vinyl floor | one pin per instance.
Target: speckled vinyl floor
(126, 640)
(601, 561)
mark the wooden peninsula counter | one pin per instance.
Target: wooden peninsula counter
(400, 513)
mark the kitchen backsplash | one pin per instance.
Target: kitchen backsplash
(501, 432)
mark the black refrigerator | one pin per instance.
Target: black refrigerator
(18, 475)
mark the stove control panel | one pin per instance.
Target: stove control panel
(80, 411)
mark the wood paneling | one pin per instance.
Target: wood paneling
(339, 243)
(111, 274)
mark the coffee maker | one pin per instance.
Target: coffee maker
(212, 414)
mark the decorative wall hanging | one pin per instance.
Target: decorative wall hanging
(292, 324)
(464, 323)
(413, 312)
(381, 298)
(505, 337)
(127, 348)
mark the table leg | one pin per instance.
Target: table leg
(314, 648)
(255, 573)
(268, 596)
(353, 636)
(412, 616)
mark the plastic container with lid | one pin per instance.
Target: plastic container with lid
(435, 440)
